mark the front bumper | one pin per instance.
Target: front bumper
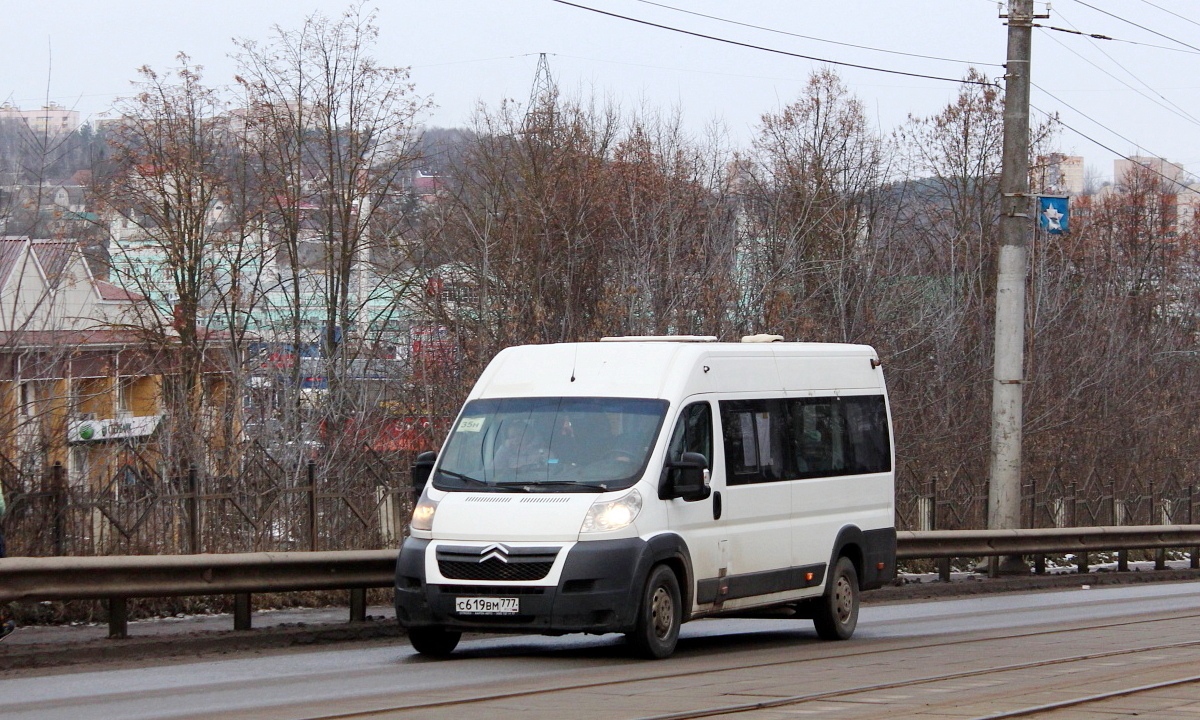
(598, 591)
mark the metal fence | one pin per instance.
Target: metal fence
(956, 498)
(278, 502)
(360, 502)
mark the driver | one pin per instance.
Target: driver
(520, 447)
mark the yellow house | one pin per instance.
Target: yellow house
(80, 380)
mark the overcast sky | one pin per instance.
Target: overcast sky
(1132, 93)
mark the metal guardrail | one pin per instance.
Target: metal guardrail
(117, 578)
(83, 578)
(912, 545)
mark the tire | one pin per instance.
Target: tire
(433, 641)
(836, 614)
(659, 616)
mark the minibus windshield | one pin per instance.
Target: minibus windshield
(550, 444)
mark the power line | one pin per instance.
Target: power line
(672, 69)
(1099, 144)
(773, 50)
(468, 62)
(1178, 112)
(1176, 109)
(816, 39)
(1082, 113)
(1171, 12)
(1140, 27)
(1098, 36)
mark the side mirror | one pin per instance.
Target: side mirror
(422, 468)
(686, 478)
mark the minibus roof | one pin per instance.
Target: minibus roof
(661, 368)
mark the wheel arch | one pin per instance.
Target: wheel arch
(671, 550)
(850, 543)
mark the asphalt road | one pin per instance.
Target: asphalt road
(299, 683)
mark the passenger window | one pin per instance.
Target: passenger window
(840, 436)
(818, 443)
(866, 429)
(767, 440)
(693, 433)
(754, 435)
(741, 449)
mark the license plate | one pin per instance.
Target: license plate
(487, 605)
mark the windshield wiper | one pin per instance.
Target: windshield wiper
(532, 486)
(464, 478)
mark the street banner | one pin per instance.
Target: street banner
(1053, 213)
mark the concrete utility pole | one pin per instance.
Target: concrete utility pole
(1004, 494)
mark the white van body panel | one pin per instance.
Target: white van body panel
(511, 517)
(753, 533)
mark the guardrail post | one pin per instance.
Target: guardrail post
(193, 510)
(1083, 563)
(1032, 502)
(1122, 561)
(1195, 563)
(1153, 507)
(933, 524)
(944, 569)
(1039, 561)
(358, 605)
(58, 490)
(241, 611)
(312, 506)
(118, 618)
(1160, 559)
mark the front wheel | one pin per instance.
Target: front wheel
(659, 616)
(836, 614)
(433, 641)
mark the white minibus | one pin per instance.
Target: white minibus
(633, 484)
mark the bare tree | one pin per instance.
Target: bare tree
(333, 132)
(808, 190)
(674, 247)
(169, 187)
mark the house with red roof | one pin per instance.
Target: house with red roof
(82, 368)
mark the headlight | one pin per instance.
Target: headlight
(612, 514)
(422, 517)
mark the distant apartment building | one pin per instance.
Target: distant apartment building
(1161, 168)
(1188, 206)
(1174, 182)
(53, 119)
(1059, 174)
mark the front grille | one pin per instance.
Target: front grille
(495, 562)
(489, 590)
(494, 570)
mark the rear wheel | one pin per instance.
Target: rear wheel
(836, 614)
(433, 641)
(659, 616)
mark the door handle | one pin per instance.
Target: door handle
(717, 505)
